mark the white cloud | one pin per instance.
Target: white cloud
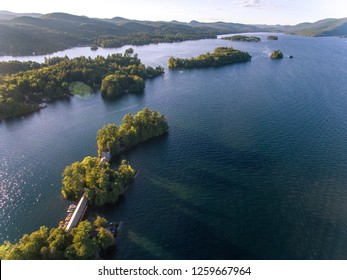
(247, 3)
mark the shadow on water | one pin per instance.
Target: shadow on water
(182, 221)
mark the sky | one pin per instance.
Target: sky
(238, 11)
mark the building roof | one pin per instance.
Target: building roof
(77, 215)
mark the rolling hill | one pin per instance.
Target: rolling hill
(25, 34)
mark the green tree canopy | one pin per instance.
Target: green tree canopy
(83, 242)
(220, 56)
(97, 181)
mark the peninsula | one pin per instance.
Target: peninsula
(26, 85)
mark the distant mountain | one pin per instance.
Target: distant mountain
(24, 34)
(325, 27)
(5, 15)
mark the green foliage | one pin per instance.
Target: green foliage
(242, 38)
(272, 37)
(115, 84)
(105, 238)
(107, 139)
(22, 92)
(277, 54)
(144, 125)
(99, 182)
(220, 56)
(15, 66)
(100, 222)
(140, 38)
(83, 242)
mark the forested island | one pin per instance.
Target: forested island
(25, 85)
(242, 38)
(85, 242)
(97, 180)
(277, 54)
(272, 37)
(133, 130)
(220, 56)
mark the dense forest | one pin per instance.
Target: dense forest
(220, 56)
(139, 39)
(242, 38)
(84, 242)
(133, 130)
(24, 85)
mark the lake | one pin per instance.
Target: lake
(254, 165)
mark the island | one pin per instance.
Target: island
(94, 47)
(26, 85)
(85, 242)
(98, 182)
(146, 124)
(272, 37)
(242, 38)
(220, 56)
(277, 54)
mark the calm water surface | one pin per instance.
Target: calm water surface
(254, 165)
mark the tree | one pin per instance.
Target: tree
(105, 238)
(108, 139)
(100, 222)
(83, 247)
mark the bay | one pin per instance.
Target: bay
(254, 165)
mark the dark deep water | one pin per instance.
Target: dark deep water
(254, 165)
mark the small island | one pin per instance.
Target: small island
(277, 54)
(272, 37)
(220, 56)
(242, 38)
(94, 47)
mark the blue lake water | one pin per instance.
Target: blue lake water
(254, 165)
